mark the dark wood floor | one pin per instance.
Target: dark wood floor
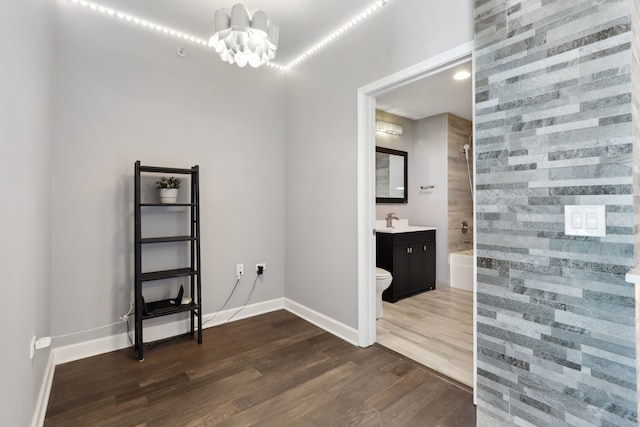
(270, 370)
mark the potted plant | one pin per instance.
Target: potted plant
(168, 189)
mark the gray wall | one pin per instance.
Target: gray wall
(321, 244)
(404, 142)
(555, 315)
(24, 165)
(431, 207)
(123, 94)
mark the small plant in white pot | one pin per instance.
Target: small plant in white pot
(168, 189)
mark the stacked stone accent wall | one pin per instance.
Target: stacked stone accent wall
(635, 96)
(556, 336)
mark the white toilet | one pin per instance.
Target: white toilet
(383, 280)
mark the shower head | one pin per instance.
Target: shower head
(465, 150)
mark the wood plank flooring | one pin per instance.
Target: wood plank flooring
(434, 328)
(270, 370)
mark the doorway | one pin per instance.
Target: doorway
(366, 180)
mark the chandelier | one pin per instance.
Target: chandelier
(243, 37)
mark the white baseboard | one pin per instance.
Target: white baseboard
(82, 350)
(252, 310)
(43, 396)
(98, 346)
(330, 325)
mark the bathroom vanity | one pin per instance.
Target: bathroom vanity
(409, 254)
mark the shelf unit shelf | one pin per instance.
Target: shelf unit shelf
(162, 169)
(161, 308)
(168, 205)
(148, 310)
(167, 274)
(166, 239)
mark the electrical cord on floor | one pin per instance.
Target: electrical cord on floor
(87, 330)
(126, 320)
(123, 318)
(150, 345)
(154, 343)
(247, 301)
(233, 291)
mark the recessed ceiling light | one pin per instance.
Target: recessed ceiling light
(461, 75)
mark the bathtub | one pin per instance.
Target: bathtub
(461, 270)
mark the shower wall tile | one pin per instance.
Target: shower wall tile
(459, 198)
(556, 334)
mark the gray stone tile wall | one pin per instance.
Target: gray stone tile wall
(635, 72)
(556, 319)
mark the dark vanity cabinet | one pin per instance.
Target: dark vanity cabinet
(411, 260)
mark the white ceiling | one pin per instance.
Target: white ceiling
(303, 23)
(432, 95)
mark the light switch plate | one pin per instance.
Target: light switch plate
(585, 220)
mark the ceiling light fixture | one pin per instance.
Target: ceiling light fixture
(184, 36)
(388, 127)
(244, 38)
(461, 75)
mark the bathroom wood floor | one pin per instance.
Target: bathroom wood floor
(269, 370)
(434, 328)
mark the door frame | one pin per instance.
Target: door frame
(366, 181)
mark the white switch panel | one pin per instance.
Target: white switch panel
(585, 220)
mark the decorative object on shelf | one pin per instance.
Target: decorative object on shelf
(162, 306)
(168, 189)
(244, 37)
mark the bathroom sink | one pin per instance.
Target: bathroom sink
(407, 229)
(400, 226)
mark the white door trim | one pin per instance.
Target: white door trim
(366, 177)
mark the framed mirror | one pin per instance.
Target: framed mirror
(391, 176)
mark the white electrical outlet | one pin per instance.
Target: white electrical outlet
(239, 270)
(38, 344)
(42, 343)
(263, 265)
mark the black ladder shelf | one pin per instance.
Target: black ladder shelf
(148, 310)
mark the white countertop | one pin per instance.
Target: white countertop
(400, 226)
(408, 229)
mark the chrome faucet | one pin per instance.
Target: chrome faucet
(390, 219)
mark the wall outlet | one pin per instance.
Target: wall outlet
(43, 342)
(239, 271)
(38, 344)
(263, 265)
